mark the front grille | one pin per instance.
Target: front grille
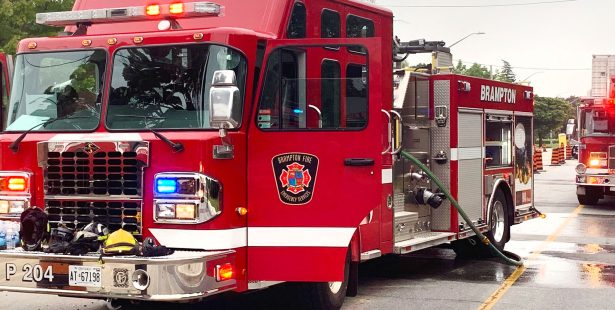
(113, 214)
(93, 174)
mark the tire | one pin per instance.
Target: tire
(498, 233)
(327, 295)
(588, 200)
(470, 248)
(592, 196)
(499, 222)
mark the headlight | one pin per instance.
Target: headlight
(14, 193)
(581, 169)
(186, 198)
(14, 183)
(598, 159)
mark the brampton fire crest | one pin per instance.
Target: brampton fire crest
(295, 175)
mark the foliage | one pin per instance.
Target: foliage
(550, 115)
(475, 70)
(17, 20)
(506, 74)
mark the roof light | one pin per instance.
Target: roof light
(135, 13)
(164, 24)
(207, 8)
(176, 8)
(32, 45)
(152, 10)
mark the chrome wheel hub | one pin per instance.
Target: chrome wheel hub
(497, 221)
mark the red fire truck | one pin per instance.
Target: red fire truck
(6, 66)
(596, 151)
(260, 139)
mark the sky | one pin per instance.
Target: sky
(550, 45)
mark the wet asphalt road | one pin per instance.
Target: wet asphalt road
(570, 264)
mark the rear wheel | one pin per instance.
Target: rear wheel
(591, 197)
(327, 295)
(499, 230)
(498, 233)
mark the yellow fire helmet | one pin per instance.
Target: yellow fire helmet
(120, 242)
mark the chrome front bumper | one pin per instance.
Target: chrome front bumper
(599, 180)
(181, 276)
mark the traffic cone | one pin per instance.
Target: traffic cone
(569, 152)
(562, 156)
(555, 157)
(538, 160)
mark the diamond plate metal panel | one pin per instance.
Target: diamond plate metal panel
(441, 141)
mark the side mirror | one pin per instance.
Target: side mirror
(224, 99)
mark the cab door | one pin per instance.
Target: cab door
(5, 86)
(314, 157)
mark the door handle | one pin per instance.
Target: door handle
(397, 144)
(359, 162)
(389, 134)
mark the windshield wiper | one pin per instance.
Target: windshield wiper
(176, 146)
(14, 146)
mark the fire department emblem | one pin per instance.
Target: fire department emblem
(91, 148)
(295, 175)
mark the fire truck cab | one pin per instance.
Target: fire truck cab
(260, 139)
(6, 65)
(597, 148)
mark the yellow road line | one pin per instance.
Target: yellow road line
(508, 283)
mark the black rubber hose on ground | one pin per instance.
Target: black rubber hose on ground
(465, 217)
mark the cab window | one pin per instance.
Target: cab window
(330, 24)
(356, 96)
(297, 24)
(330, 93)
(303, 90)
(4, 99)
(359, 27)
(498, 145)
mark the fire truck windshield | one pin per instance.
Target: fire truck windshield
(597, 121)
(168, 86)
(54, 86)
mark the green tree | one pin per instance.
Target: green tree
(506, 74)
(18, 20)
(460, 68)
(478, 71)
(550, 114)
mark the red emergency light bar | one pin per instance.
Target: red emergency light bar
(133, 13)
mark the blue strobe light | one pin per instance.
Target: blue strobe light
(166, 186)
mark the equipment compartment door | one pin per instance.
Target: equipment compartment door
(471, 160)
(314, 157)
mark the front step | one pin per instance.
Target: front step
(422, 241)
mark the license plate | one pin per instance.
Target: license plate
(85, 276)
